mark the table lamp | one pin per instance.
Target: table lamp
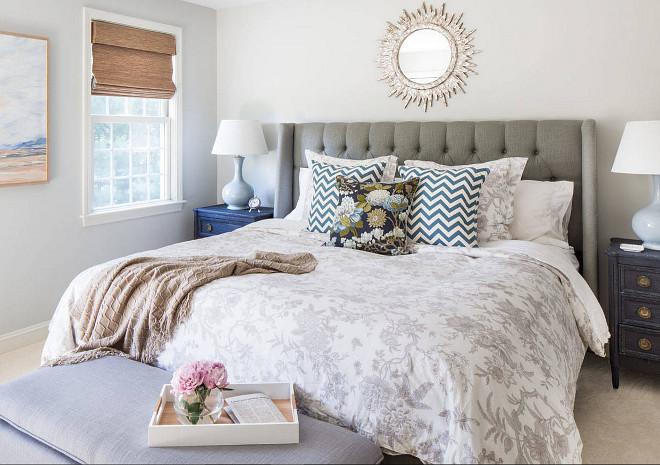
(239, 138)
(639, 153)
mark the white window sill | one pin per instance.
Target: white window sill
(131, 213)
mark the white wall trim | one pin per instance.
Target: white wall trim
(132, 212)
(23, 337)
(221, 4)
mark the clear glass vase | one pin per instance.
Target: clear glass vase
(202, 407)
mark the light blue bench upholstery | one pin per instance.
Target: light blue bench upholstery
(98, 412)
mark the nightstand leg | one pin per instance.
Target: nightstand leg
(616, 372)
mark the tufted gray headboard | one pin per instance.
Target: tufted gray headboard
(557, 150)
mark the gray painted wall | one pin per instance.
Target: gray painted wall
(313, 60)
(43, 245)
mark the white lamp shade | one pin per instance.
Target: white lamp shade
(240, 137)
(639, 150)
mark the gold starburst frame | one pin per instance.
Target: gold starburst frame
(460, 66)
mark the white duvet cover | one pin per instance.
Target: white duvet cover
(448, 354)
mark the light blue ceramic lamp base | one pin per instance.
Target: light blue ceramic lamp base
(237, 193)
(646, 222)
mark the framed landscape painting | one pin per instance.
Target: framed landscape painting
(23, 109)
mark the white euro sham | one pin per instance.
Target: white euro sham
(542, 211)
(304, 179)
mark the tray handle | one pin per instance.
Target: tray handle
(160, 401)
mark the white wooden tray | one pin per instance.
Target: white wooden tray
(165, 430)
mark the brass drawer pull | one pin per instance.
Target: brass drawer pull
(644, 344)
(644, 312)
(208, 227)
(643, 281)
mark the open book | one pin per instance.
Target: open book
(253, 408)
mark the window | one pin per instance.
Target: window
(131, 151)
(132, 159)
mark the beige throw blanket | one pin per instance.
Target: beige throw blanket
(133, 308)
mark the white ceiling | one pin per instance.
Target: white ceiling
(220, 4)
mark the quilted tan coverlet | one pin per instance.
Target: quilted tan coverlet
(133, 308)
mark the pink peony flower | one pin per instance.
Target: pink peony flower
(188, 377)
(215, 375)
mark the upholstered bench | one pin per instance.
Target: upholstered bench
(98, 412)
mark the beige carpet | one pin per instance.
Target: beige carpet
(20, 362)
(617, 426)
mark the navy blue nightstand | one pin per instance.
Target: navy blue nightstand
(218, 219)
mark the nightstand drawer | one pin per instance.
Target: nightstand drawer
(212, 226)
(218, 219)
(641, 279)
(640, 342)
(641, 311)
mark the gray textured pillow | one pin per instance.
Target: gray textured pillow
(495, 212)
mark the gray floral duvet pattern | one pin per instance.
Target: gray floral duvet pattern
(448, 355)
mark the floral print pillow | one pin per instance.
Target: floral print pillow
(372, 216)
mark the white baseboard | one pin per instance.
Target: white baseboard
(23, 337)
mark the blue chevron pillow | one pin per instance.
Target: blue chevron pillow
(326, 194)
(444, 209)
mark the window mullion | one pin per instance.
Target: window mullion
(129, 119)
(130, 163)
(112, 166)
(148, 165)
(166, 143)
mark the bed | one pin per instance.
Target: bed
(447, 354)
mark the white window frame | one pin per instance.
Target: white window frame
(172, 171)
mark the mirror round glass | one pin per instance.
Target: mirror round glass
(424, 56)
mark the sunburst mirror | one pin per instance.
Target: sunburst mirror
(427, 56)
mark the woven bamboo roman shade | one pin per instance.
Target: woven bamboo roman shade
(131, 62)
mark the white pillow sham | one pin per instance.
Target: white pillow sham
(313, 157)
(304, 178)
(542, 211)
(496, 211)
